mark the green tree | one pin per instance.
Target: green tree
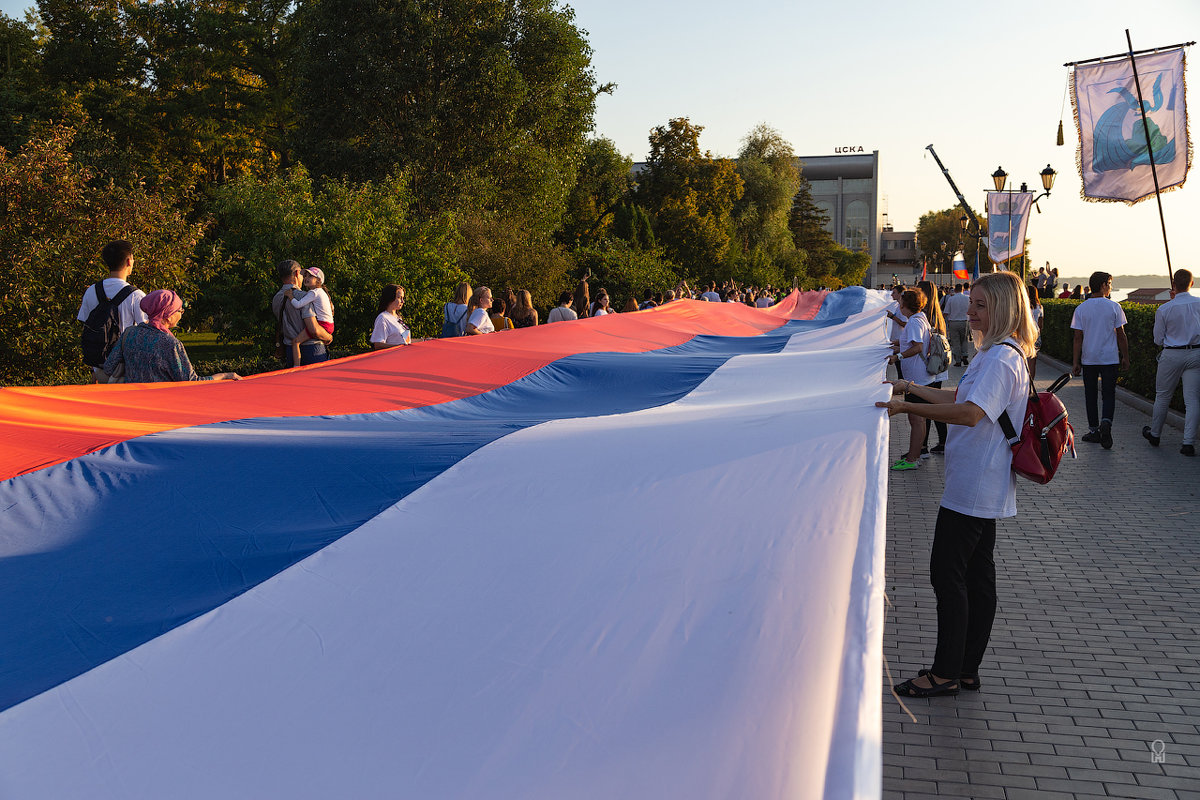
(19, 79)
(362, 235)
(602, 185)
(849, 268)
(807, 223)
(936, 227)
(690, 197)
(624, 269)
(497, 253)
(57, 216)
(221, 82)
(632, 224)
(95, 77)
(484, 103)
(767, 167)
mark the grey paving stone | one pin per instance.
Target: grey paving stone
(1094, 652)
(1151, 792)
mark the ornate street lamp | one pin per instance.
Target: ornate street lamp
(999, 177)
(1048, 176)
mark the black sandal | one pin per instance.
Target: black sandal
(910, 689)
(966, 680)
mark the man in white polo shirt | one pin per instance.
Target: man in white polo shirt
(1100, 350)
(1177, 332)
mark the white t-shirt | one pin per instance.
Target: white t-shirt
(482, 321)
(599, 312)
(912, 368)
(894, 329)
(711, 297)
(1099, 319)
(317, 301)
(390, 330)
(130, 310)
(956, 306)
(561, 314)
(764, 302)
(979, 477)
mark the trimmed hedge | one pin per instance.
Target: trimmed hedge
(1058, 339)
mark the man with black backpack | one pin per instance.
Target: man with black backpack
(109, 306)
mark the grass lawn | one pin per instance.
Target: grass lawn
(205, 347)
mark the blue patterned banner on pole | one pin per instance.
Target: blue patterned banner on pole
(1008, 217)
(1114, 159)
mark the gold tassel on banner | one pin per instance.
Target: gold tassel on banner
(1062, 109)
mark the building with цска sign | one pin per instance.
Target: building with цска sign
(845, 186)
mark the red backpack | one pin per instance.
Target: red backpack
(1045, 433)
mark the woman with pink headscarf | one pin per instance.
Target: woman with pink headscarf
(149, 353)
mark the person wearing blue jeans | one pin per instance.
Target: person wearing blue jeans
(1100, 349)
(290, 324)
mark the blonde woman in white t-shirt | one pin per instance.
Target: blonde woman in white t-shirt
(478, 320)
(980, 485)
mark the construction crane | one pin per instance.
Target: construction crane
(962, 201)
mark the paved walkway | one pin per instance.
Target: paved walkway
(1095, 653)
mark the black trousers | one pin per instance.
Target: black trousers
(963, 575)
(1106, 375)
(941, 426)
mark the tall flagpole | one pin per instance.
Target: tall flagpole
(1137, 82)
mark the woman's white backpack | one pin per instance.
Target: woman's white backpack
(937, 359)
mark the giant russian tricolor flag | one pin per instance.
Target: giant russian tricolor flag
(639, 556)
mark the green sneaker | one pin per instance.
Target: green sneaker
(904, 463)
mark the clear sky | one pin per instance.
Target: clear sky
(984, 83)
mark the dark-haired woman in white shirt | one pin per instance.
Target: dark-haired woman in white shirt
(390, 330)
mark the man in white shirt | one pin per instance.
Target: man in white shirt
(1100, 350)
(956, 325)
(711, 295)
(118, 257)
(1177, 332)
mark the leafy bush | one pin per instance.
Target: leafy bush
(625, 270)
(504, 253)
(57, 217)
(363, 236)
(1058, 341)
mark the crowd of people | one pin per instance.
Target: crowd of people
(1005, 318)
(132, 340)
(128, 334)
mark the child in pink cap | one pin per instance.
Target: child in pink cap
(313, 302)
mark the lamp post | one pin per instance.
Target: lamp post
(999, 179)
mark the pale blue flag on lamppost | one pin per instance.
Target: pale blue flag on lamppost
(1008, 217)
(1114, 159)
